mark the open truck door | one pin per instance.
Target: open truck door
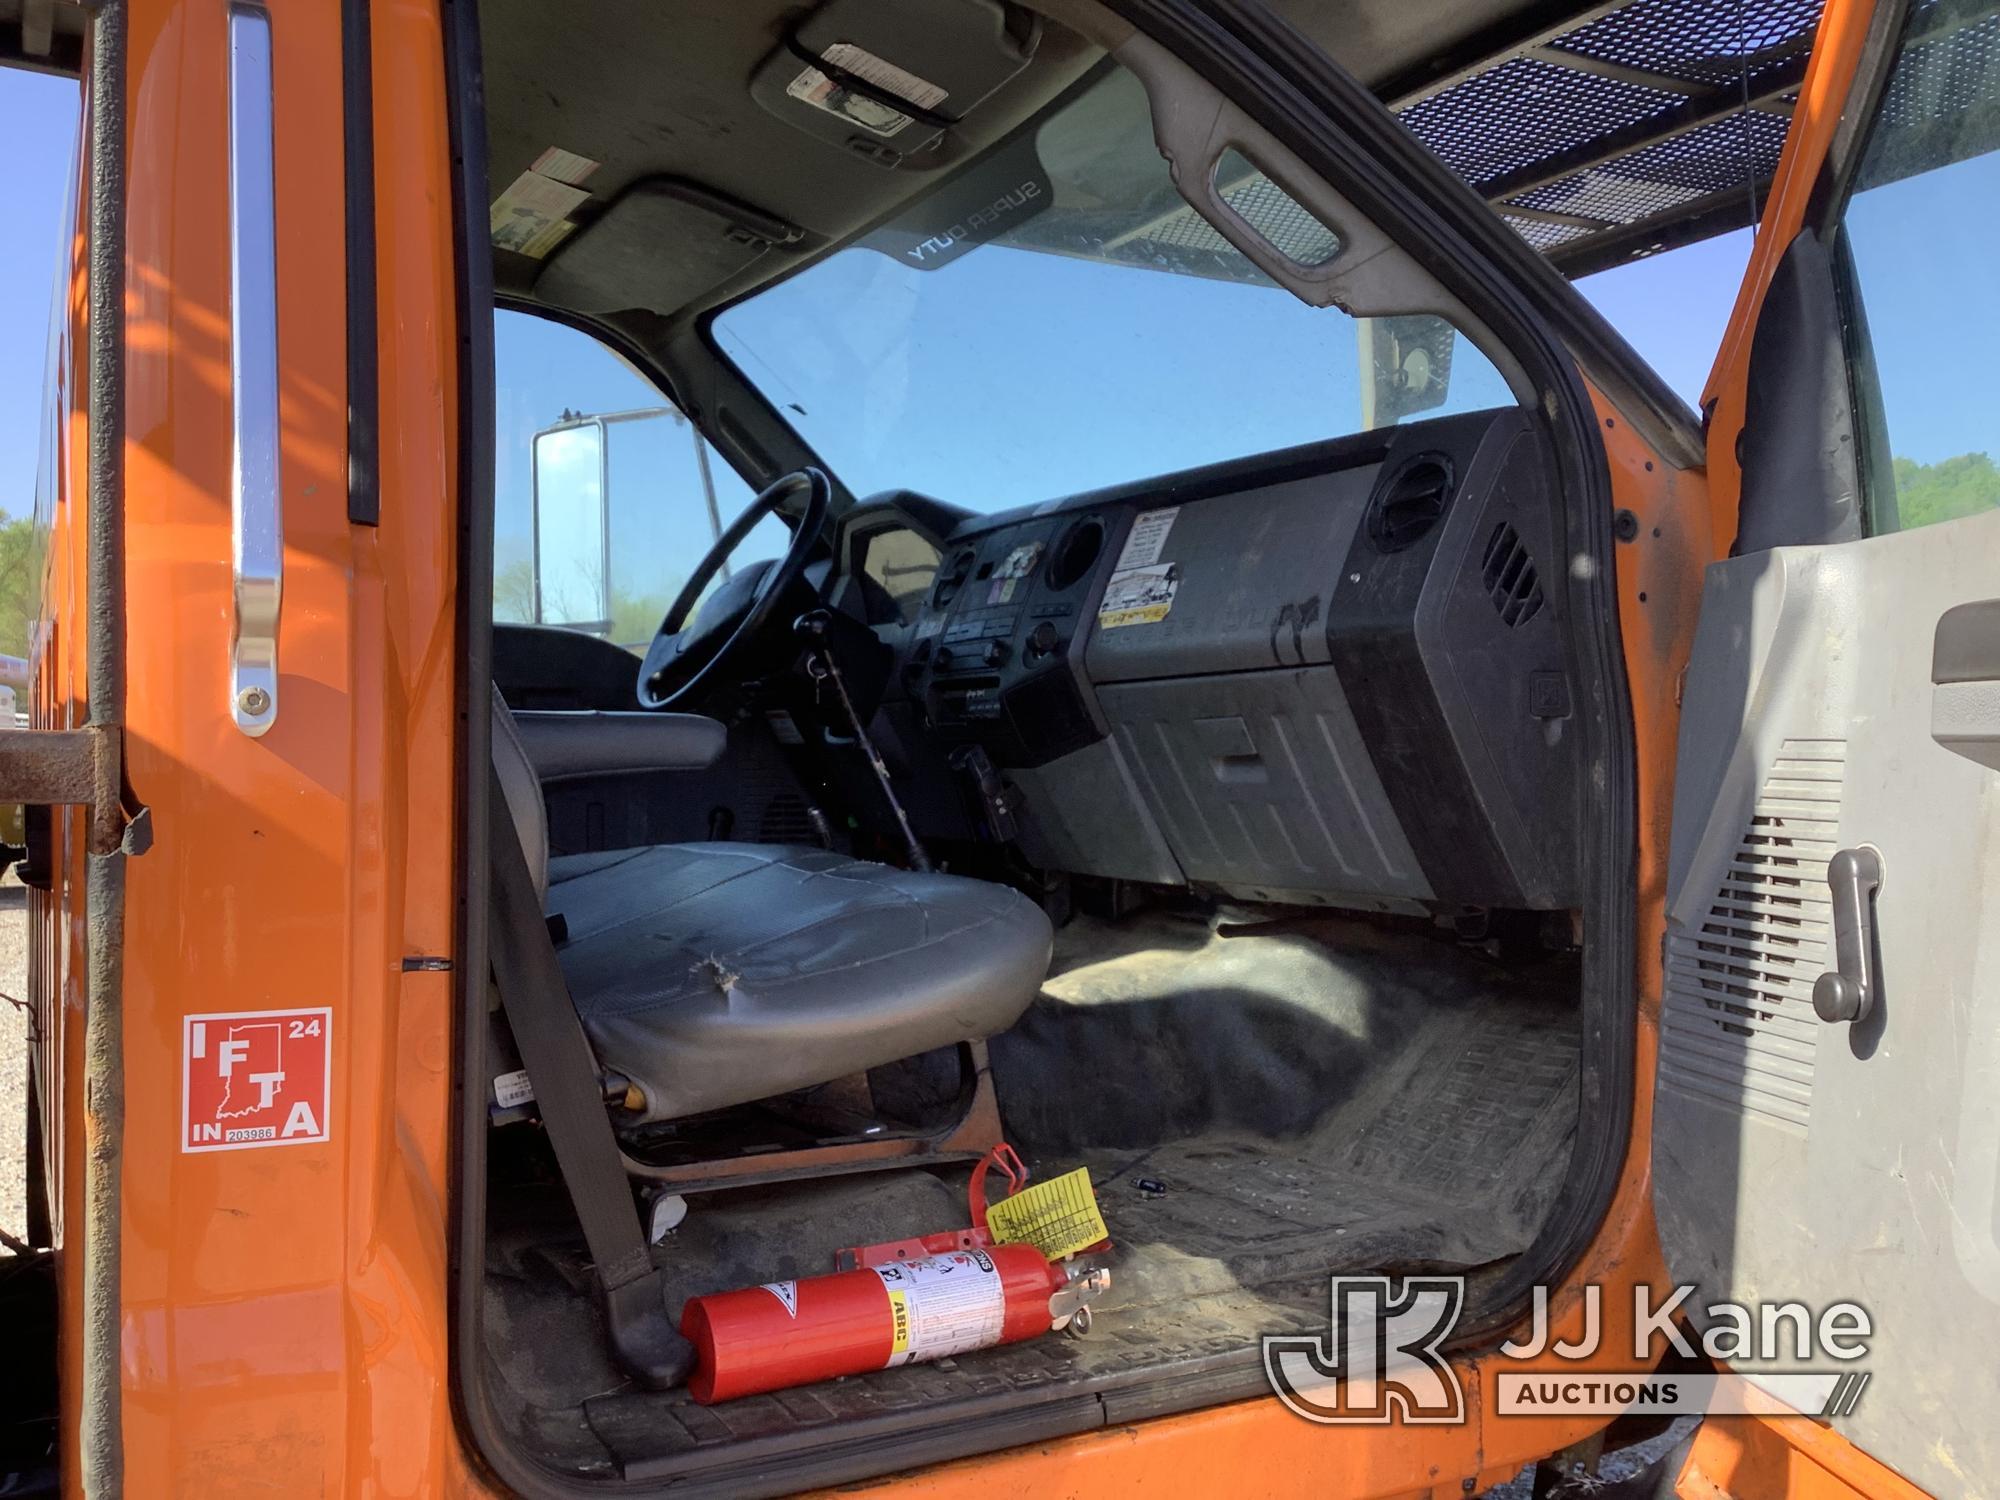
(1824, 1128)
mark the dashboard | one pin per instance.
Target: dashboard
(1332, 675)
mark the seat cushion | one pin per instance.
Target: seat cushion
(715, 974)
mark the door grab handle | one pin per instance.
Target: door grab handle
(1848, 992)
(256, 515)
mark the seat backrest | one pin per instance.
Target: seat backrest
(523, 789)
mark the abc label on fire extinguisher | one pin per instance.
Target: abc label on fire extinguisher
(943, 1306)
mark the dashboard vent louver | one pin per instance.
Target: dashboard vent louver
(1509, 575)
(952, 578)
(1409, 503)
(1076, 552)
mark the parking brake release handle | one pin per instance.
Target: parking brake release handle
(1847, 993)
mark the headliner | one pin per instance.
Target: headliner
(1600, 132)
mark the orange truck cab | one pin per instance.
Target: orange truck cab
(984, 746)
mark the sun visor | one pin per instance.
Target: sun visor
(885, 79)
(660, 244)
(995, 198)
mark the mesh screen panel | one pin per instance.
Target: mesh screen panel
(1955, 70)
(1703, 43)
(1543, 235)
(1523, 111)
(1667, 114)
(1727, 156)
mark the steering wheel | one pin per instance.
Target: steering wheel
(686, 659)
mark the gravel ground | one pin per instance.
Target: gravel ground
(1620, 1465)
(13, 1056)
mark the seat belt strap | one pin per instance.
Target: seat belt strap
(563, 1071)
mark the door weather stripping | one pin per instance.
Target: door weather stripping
(257, 564)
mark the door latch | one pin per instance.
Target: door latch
(1847, 993)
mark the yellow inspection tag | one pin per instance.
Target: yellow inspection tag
(1058, 1217)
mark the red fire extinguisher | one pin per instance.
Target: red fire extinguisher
(910, 1301)
(787, 1333)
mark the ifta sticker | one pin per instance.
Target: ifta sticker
(255, 1078)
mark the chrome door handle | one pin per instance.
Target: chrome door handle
(256, 510)
(1848, 992)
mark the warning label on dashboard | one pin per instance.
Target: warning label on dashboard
(1139, 596)
(1147, 539)
(255, 1078)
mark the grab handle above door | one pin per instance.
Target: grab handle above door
(1965, 677)
(256, 511)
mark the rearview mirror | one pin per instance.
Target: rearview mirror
(1405, 366)
(572, 528)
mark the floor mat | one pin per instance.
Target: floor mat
(1256, 1110)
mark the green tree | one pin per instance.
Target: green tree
(634, 620)
(1946, 490)
(514, 592)
(20, 582)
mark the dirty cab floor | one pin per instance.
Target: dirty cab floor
(1257, 1110)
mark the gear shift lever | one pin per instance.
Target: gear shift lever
(820, 665)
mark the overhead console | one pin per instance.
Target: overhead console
(1333, 675)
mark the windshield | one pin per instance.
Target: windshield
(1059, 319)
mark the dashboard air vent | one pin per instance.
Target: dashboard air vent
(1509, 574)
(1409, 502)
(951, 578)
(1076, 552)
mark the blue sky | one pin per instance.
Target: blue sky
(971, 382)
(921, 378)
(38, 121)
(659, 517)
